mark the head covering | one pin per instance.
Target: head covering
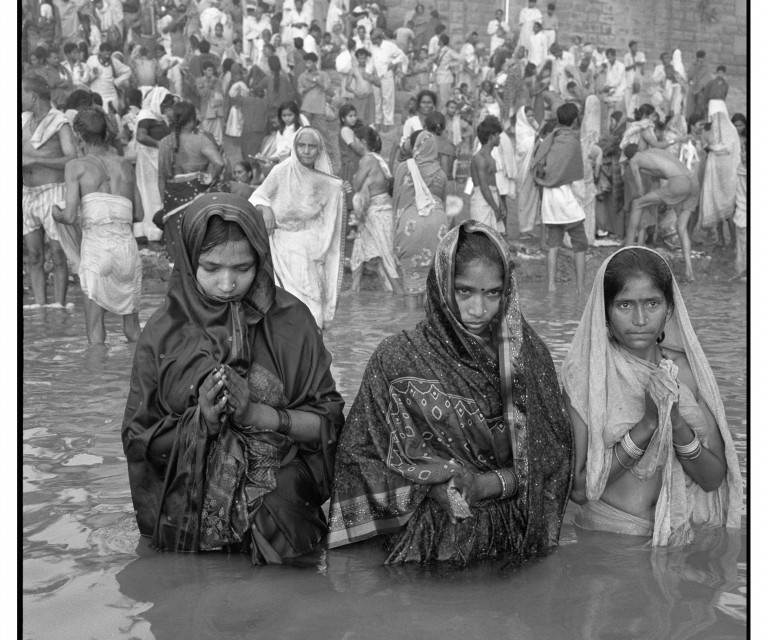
(432, 402)
(150, 105)
(307, 204)
(424, 156)
(606, 386)
(718, 188)
(677, 63)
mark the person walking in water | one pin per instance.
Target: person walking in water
(485, 205)
(47, 146)
(103, 185)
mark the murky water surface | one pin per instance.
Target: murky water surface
(88, 575)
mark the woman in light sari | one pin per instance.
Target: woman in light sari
(592, 155)
(653, 452)
(232, 418)
(303, 208)
(528, 201)
(420, 220)
(458, 443)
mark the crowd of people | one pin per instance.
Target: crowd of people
(211, 126)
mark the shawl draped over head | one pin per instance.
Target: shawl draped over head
(527, 193)
(176, 470)
(308, 242)
(432, 401)
(150, 105)
(557, 160)
(606, 387)
(422, 167)
(718, 189)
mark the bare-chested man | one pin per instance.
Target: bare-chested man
(680, 192)
(47, 146)
(103, 185)
(485, 204)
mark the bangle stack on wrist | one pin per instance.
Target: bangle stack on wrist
(630, 448)
(509, 482)
(689, 451)
(284, 424)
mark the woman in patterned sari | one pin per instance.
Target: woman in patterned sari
(458, 443)
(420, 220)
(232, 417)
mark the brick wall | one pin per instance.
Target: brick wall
(717, 26)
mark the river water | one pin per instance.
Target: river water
(88, 575)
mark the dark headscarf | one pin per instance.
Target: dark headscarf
(433, 401)
(164, 439)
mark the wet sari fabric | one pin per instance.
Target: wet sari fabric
(433, 401)
(192, 491)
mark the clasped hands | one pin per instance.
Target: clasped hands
(225, 393)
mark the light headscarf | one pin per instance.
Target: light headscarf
(150, 105)
(424, 152)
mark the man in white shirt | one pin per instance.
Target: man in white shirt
(434, 42)
(497, 37)
(107, 73)
(634, 61)
(528, 17)
(558, 81)
(386, 57)
(615, 83)
(80, 72)
(254, 24)
(537, 46)
(361, 38)
(109, 13)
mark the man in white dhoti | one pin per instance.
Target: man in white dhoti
(528, 16)
(485, 204)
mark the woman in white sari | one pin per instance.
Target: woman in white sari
(586, 189)
(303, 208)
(654, 456)
(528, 209)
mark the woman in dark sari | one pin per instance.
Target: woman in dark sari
(232, 417)
(458, 443)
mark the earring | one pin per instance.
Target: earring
(660, 339)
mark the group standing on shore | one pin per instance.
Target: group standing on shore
(459, 445)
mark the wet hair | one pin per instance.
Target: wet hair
(443, 40)
(722, 68)
(426, 92)
(220, 231)
(370, 137)
(91, 124)
(567, 114)
(644, 111)
(289, 106)
(631, 263)
(80, 98)
(476, 247)
(630, 150)
(69, 48)
(488, 127)
(183, 113)
(204, 46)
(38, 86)
(344, 111)
(435, 123)
(227, 65)
(310, 57)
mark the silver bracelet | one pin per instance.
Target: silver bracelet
(631, 449)
(691, 450)
(616, 453)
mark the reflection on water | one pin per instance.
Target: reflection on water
(87, 574)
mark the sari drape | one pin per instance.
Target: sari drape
(432, 402)
(193, 491)
(718, 190)
(606, 386)
(528, 200)
(308, 242)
